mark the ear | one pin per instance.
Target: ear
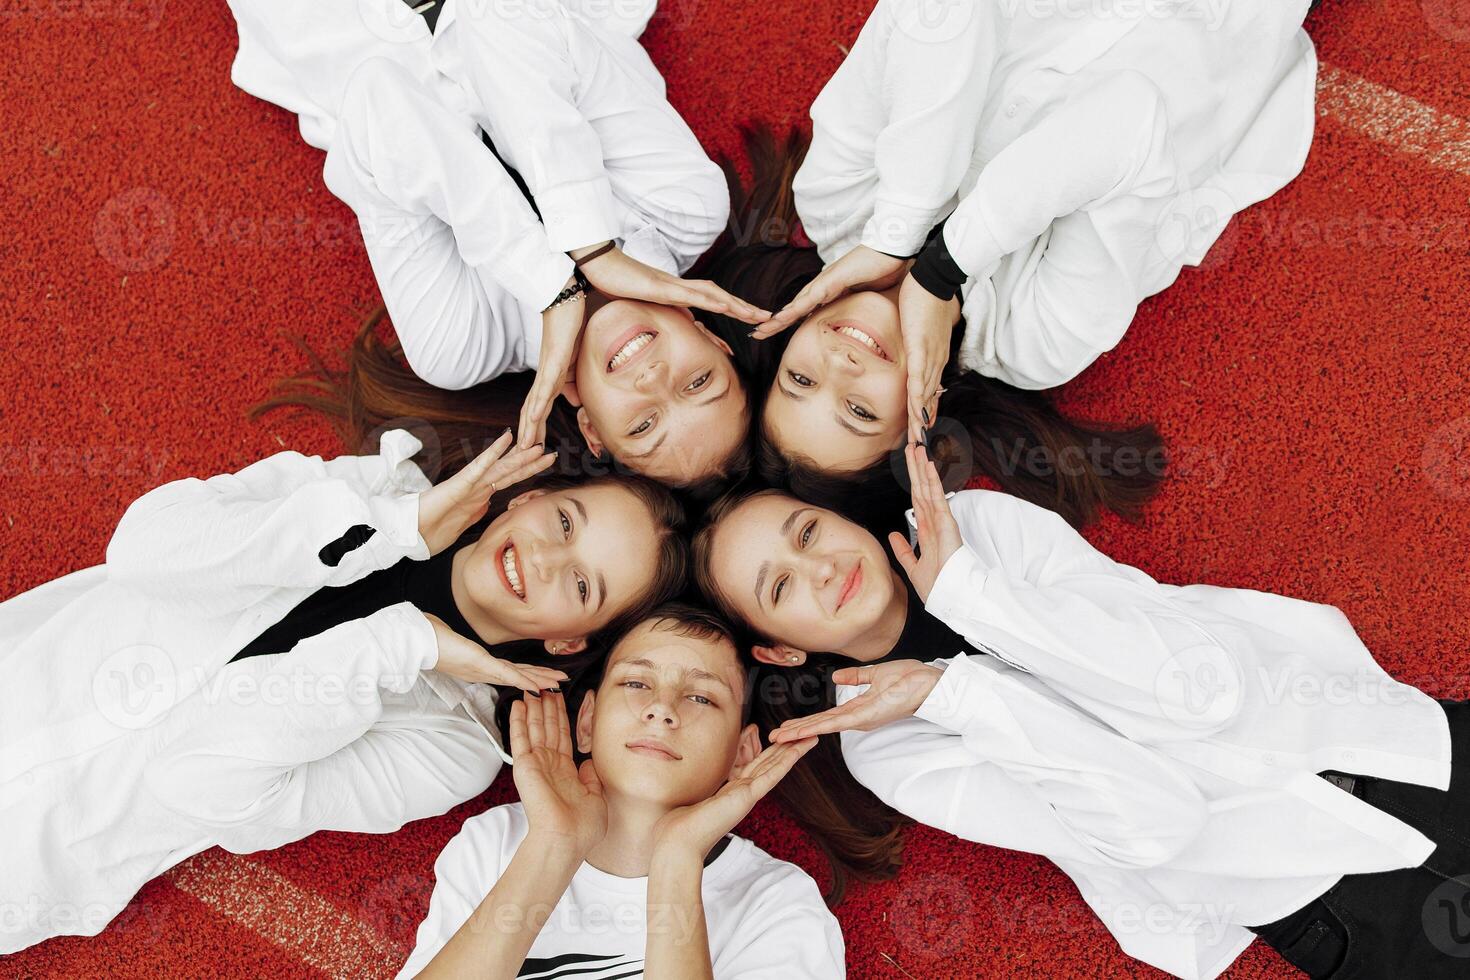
(583, 728)
(571, 394)
(746, 749)
(589, 432)
(565, 648)
(779, 655)
(714, 339)
(526, 497)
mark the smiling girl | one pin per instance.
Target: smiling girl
(504, 169)
(303, 645)
(1227, 763)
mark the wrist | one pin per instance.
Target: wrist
(556, 850)
(676, 858)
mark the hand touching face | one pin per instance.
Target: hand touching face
(659, 392)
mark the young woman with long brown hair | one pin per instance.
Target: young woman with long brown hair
(1218, 763)
(1017, 439)
(303, 645)
(529, 201)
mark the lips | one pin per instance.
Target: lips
(861, 338)
(627, 347)
(850, 585)
(653, 748)
(509, 566)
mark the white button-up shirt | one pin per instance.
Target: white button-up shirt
(1161, 744)
(572, 102)
(1087, 153)
(129, 742)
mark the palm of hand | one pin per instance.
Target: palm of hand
(556, 798)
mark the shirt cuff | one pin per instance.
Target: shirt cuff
(532, 273)
(397, 520)
(897, 229)
(953, 596)
(578, 214)
(966, 701)
(407, 637)
(936, 269)
(969, 240)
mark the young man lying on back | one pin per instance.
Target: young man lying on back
(625, 867)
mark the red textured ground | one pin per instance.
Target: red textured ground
(162, 231)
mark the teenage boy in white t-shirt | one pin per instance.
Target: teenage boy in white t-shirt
(625, 867)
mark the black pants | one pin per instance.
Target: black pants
(1413, 923)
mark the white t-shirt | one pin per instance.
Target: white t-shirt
(765, 917)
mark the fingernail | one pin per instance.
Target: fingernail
(925, 412)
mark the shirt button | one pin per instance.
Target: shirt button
(1011, 109)
(1269, 759)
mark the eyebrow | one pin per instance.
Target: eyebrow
(840, 420)
(760, 578)
(696, 673)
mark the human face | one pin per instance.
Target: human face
(563, 563)
(665, 724)
(803, 576)
(658, 391)
(839, 397)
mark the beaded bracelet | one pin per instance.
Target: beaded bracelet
(574, 293)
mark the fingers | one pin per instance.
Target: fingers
(587, 773)
(517, 465)
(770, 770)
(520, 740)
(550, 730)
(483, 463)
(855, 676)
(811, 296)
(705, 295)
(531, 429)
(905, 555)
(839, 719)
(557, 706)
(535, 732)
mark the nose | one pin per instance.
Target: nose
(823, 570)
(653, 376)
(842, 359)
(661, 713)
(545, 559)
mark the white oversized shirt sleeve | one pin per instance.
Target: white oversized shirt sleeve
(438, 211)
(1081, 189)
(786, 933)
(1105, 635)
(518, 59)
(925, 66)
(287, 521)
(991, 760)
(288, 744)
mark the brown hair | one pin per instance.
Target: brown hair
(377, 390)
(1018, 439)
(862, 836)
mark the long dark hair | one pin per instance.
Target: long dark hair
(1019, 440)
(861, 835)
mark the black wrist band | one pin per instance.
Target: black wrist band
(935, 269)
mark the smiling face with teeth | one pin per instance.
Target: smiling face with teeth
(558, 565)
(839, 396)
(659, 392)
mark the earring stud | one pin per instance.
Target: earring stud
(793, 658)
